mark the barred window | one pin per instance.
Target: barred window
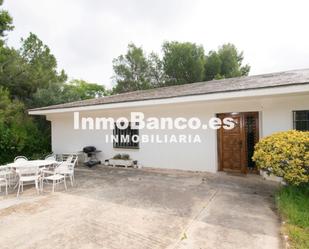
(126, 138)
(301, 120)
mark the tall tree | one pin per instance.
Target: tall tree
(213, 66)
(6, 23)
(18, 133)
(41, 68)
(58, 93)
(156, 72)
(29, 78)
(31, 67)
(183, 62)
(84, 90)
(131, 70)
(226, 63)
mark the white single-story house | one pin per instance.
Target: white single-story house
(260, 106)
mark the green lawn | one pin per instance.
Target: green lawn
(293, 204)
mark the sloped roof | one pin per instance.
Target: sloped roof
(287, 78)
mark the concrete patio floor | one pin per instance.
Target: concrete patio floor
(144, 208)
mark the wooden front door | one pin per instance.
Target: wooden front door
(235, 146)
(231, 145)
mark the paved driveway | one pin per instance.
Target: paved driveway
(128, 208)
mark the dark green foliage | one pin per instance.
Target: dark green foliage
(23, 71)
(226, 63)
(156, 73)
(19, 135)
(131, 70)
(58, 93)
(183, 62)
(213, 66)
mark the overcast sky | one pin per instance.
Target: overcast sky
(85, 35)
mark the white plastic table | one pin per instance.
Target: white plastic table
(32, 163)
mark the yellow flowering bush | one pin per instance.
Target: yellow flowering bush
(285, 154)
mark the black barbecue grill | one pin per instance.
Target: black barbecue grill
(91, 153)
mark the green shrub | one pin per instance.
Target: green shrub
(117, 156)
(19, 133)
(122, 156)
(125, 156)
(285, 154)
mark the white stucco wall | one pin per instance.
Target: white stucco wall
(275, 115)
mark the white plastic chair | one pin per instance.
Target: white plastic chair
(4, 176)
(69, 159)
(66, 168)
(28, 175)
(2, 179)
(54, 177)
(20, 159)
(50, 157)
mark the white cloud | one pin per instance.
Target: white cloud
(86, 35)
